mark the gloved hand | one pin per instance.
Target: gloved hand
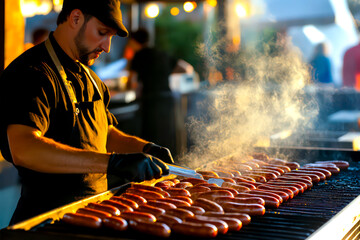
(136, 167)
(162, 153)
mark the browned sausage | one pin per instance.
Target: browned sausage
(155, 229)
(82, 220)
(193, 181)
(257, 177)
(272, 168)
(115, 223)
(292, 165)
(264, 192)
(183, 198)
(138, 216)
(224, 174)
(159, 204)
(178, 192)
(233, 191)
(266, 174)
(183, 185)
(252, 209)
(260, 156)
(320, 174)
(246, 184)
(213, 194)
(195, 229)
(149, 188)
(176, 202)
(206, 185)
(174, 180)
(256, 200)
(277, 161)
(197, 189)
(234, 224)
(308, 183)
(282, 194)
(180, 213)
(125, 201)
(314, 178)
(328, 166)
(208, 173)
(245, 179)
(235, 186)
(300, 185)
(293, 188)
(94, 212)
(122, 207)
(243, 217)
(196, 210)
(105, 208)
(136, 198)
(270, 202)
(327, 173)
(222, 226)
(208, 205)
(343, 165)
(168, 219)
(148, 195)
(165, 183)
(156, 211)
(288, 191)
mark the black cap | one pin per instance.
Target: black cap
(107, 11)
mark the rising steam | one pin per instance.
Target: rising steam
(265, 97)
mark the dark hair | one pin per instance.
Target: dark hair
(141, 35)
(65, 13)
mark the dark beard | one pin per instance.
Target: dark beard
(82, 49)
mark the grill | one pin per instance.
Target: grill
(330, 210)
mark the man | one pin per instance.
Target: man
(55, 126)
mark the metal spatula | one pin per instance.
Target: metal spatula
(187, 172)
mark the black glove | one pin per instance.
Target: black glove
(157, 151)
(136, 167)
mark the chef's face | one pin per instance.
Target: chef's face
(92, 39)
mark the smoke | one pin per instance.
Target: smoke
(265, 96)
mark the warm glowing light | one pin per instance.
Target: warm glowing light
(241, 10)
(356, 144)
(174, 11)
(57, 5)
(152, 11)
(282, 135)
(44, 8)
(28, 8)
(212, 3)
(236, 40)
(189, 6)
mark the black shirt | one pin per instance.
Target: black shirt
(33, 94)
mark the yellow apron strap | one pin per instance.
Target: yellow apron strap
(62, 73)
(91, 78)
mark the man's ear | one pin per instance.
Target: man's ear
(75, 18)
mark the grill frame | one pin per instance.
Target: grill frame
(322, 220)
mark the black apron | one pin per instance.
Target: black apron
(42, 192)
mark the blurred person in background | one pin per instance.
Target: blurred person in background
(38, 36)
(351, 67)
(56, 127)
(321, 65)
(149, 72)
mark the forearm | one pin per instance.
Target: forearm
(31, 150)
(121, 142)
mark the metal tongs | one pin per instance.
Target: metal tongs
(187, 172)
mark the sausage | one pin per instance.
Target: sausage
(224, 174)
(275, 169)
(82, 220)
(343, 165)
(193, 181)
(105, 208)
(183, 198)
(327, 173)
(159, 204)
(208, 205)
(222, 226)
(260, 156)
(197, 189)
(214, 194)
(300, 185)
(183, 185)
(156, 211)
(228, 180)
(136, 198)
(148, 195)
(168, 219)
(233, 191)
(292, 165)
(256, 177)
(246, 184)
(267, 175)
(138, 216)
(149, 188)
(252, 209)
(206, 185)
(279, 188)
(176, 202)
(178, 192)
(180, 213)
(94, 212)
(256, 200)
(115, 223)
(234, 224)
(243, 217)
(208, 173)
(270, 202)
(122, 207)
(245, 178)
(308, 183)
(321, 175)
(282, 194)
(314, 178)
(259, 192)
(297, 177)
(242, 167)
(235, 186)
(125, 201)
(155, 229)
(282, 167)
(277, 161)
(195, 229)
(196, 210)
(165, 183)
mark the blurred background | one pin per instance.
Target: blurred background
(255, 73)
